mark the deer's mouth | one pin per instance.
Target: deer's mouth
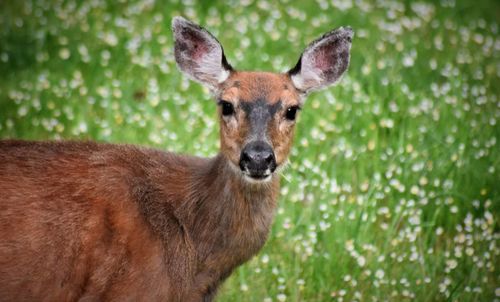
(258, 175)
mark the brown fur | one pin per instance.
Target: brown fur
(87, 221)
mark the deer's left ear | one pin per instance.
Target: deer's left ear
(198, 53)
(324, 61)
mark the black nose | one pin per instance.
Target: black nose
(257, 158)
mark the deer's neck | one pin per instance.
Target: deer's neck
(227, 214)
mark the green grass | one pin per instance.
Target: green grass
(393, 192)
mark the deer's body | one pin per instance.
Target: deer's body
(81, 221)
(165, 224)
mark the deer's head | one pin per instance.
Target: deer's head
(258, 109)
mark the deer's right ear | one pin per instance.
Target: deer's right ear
(198, 54)
(324, 61)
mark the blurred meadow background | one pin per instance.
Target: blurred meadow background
(393, 190)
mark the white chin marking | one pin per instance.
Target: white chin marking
(246, 177)
(252, 180)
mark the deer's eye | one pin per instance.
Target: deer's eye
(227, 108)
(291, 112)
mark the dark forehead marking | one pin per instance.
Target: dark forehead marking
(236, 84)
(249, 107)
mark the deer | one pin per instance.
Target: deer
(89, 221)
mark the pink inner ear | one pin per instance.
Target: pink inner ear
(199, 50)
(198, 46)
(322, 59)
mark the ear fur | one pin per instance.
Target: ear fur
(198, 53)
(324, 61)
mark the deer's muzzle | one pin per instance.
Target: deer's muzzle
(257, 160)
